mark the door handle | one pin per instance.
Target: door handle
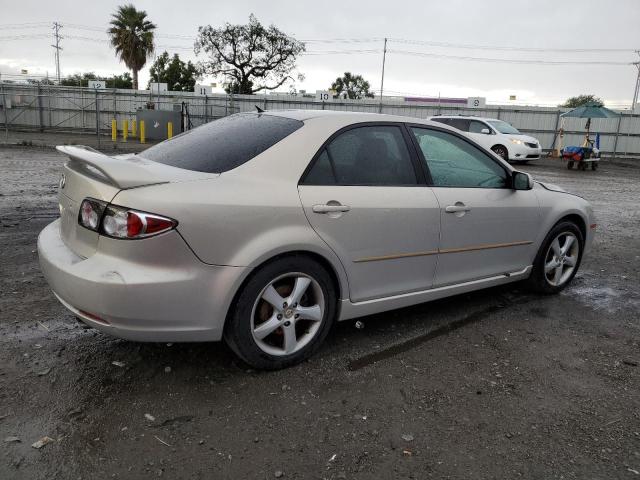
(457, 208)
(331, 208)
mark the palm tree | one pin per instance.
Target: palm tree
(132, 37)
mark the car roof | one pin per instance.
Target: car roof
(466, 117)
(343, 117)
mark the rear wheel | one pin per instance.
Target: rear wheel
(558, 259)
(282, 314)
(501, 151)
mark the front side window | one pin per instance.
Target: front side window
(504, 127)
(455, 163)
(372, 155)
(477, 127)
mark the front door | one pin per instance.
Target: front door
(487, 228)
(365, 196)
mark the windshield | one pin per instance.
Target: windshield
(223, 144)
(503, 127)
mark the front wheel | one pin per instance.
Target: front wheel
(501, 152)
(282, 314)
(558, 259)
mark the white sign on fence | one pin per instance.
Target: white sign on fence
(323, 96)
(202, 90)
(476, 102)
(158, 87)
(97, 84)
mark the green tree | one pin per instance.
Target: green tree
(120, 81)
(78, 80)
(82, 80)
(132, 37)
(253, 56)
(355, 86)
(179, 76)
(581, 100)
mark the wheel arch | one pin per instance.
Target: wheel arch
(578, 220)
(339, 282)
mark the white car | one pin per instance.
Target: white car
(503, 138)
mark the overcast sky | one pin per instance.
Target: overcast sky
(543, 24)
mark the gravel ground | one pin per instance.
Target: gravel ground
(495, 384)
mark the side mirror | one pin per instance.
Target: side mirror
(521, 181)
(486, 131)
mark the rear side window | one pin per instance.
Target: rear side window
(223, 144)
(460, 124)
(441, 120)
(375, 155)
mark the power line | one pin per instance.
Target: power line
(26, 36)
(508, 48)
(507, 60)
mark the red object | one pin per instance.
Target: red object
(134, 225)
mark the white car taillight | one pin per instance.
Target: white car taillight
(121, 222)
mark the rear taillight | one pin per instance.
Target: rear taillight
(121, 222)
(90, 213)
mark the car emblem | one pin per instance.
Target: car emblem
(63, 181)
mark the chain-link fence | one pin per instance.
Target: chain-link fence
(48, 108)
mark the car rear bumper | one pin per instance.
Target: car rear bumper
(175, 297)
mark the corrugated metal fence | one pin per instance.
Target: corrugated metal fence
(73, 109)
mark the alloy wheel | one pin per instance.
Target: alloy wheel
(287, 314)
(561, 259)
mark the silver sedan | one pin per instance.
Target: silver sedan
(264, 229)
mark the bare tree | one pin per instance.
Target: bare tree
(255, 57)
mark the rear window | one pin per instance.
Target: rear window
(223, 144)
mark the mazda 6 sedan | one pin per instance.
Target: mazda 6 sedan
(263, 229)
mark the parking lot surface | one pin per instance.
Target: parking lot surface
(500, 383)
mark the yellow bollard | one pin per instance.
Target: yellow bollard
(114, 130)
(134, 128)
(169, 129)
(142, 139)
(125, 130)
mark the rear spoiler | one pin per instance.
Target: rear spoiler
(121, 173)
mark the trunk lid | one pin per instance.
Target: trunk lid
(89, 173)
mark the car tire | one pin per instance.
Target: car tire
(553, 267)
(270, 337)
(501, 151)
(570, 165)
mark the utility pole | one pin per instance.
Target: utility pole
(57, 47)
(384, 59)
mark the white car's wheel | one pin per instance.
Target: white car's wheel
(501, 151)
(282, 314)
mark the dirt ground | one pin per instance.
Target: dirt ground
(495, 384)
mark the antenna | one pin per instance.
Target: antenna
(57, 37)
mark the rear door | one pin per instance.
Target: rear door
(364, 194)
(487, 228)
